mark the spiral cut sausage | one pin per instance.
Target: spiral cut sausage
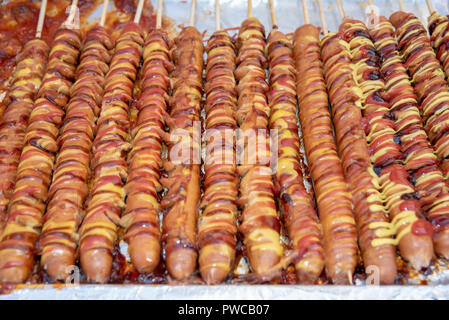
(23, 225)
(431, 89)
(260, 223)
(332, 194)
(182, 182)
(69, 187)
(439, 30)
(27, 78)
(419, 158)
(429, 81)
(141, 221)
(217, 225)
(398, 193)
(345, 97)
(98, 231)
(299, 214)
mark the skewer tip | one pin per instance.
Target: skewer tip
(217, 15)
(322, 17)
(192, 13)
(104, 12)
(273, 14)
(305, 11)
(139, 11)
(40, 21)
(159, 15)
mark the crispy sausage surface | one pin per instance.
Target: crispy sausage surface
(142, 204)
(332, 193)
(385, 153)
(217, 225)
(299, 214)
(182, 180)
(27, 78)
(430, 87)
(260, 224)
(34, 173)
(98, 231)
(345, 97)
(69, 187)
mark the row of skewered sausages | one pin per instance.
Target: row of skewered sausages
(78, 174)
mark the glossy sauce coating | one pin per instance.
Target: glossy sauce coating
(430, 87)
(34, 173)
(392, 178)
(260, 224)
(217, 225)
(98, 231)
(69, 188)
(299, 215)
(30, 68)
(141, 221)
(344, 95)
(182, 179)
(332, 193)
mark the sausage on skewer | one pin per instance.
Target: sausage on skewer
(182, 180)
(332, 193)
(260, 223)
(299, 214)
(69, 187)
(217, 225)
(431, 89)
(23, 225)
(98, 231)
(374, 240)
(398, 192)
(27, 78)
(141, 221)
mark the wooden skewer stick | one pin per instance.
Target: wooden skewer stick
(159, 15)
(192, 13)
(401, 5)
(273, 14)
(40, 22)
(305, 11)
(341, 9)
(430, 6)
(323, 19)
(72, 14)
(217, 15)
(139, 11)
(371, 4)
(250, 8)
(104, 12)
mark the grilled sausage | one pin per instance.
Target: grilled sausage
(372, 223)
(23, 225)
(26, 80)
(69, 187)
(98, 231)
(332, 193)
(182, 180)
(430, 87)
(260, 224)
(142, 204)
(217, 225)
(299, 214)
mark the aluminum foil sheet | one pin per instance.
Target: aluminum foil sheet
(289, 16)
(243, 292)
